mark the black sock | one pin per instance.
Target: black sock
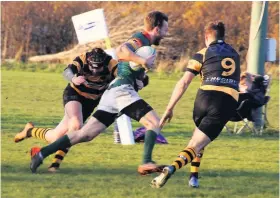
(60, 144)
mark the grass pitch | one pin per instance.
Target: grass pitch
(232, 166)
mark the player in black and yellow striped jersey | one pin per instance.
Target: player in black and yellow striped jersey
(219, 67)
(89, 75)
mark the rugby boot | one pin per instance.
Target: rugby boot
(160, 180)
(36, 161)
(150, 167)
(34, 150)
(23, 134)
(193, 182)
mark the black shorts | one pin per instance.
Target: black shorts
(135, 111)
(88, 105)
(212, 110)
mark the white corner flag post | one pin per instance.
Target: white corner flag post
(91, 26)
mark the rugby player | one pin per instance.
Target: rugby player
(89, 75)
(216, 101)
(121, 97)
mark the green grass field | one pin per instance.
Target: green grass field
(232, 166)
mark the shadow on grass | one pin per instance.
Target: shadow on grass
(22, 172)
(97, 170)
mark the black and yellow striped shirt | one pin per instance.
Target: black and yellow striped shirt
(97, 79)
(219, 68)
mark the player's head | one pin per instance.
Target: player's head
(214, 31)
(96, 58)
(156, 23)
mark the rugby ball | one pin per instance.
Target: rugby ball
(144, 52)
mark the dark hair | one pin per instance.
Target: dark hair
(216, 28)
(154, 19)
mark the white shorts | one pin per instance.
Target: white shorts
(117, 98)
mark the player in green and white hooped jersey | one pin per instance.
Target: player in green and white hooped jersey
(121, 97)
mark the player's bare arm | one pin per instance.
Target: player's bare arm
(124, 53)
(178, 92)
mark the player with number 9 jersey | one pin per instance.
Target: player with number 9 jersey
(216, 101)
(219, 68)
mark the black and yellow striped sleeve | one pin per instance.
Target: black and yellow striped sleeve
(78, 63)
(195, 64)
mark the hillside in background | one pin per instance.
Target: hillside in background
(43, 31)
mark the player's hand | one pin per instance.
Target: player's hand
(140, 84)
(78, 80)
(145, 80)
(167, 116)
(149, 62)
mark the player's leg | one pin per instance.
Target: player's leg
(188, 153)
(58, 131)
(31, 131)
(74, 118)
(151, 122)
(77, 110)
(219, 113)
(200, 110)
(129, 103)
(52, 134)
(89, 131)
(216, 109)
(77, 113)
(195, 164)
(100, 120)
(48, 134)
(143, 113)
(198, 141)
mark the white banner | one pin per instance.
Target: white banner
(90, 26)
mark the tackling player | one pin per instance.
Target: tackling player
(89, 75)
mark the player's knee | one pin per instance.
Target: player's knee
(75, 124)
(154, 126)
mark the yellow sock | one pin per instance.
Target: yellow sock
(39, 133)
(196, 163)
(184, 157)
(59, 156)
